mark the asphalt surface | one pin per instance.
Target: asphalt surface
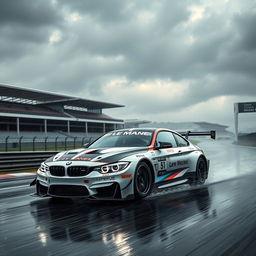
(218, 218)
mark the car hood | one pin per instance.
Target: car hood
(104, 155)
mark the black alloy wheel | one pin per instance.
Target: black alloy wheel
(201, 172)
(142, 181)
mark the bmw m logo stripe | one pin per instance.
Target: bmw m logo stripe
(172, 175)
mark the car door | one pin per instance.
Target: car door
(184, 152)
(165, 158)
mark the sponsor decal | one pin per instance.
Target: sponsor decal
(161, 173)
(124, 133)
(182, 162)
(170, 150)
(178, 163)
(140, 155)
(161, 159)
(126, 176)
(83, 159)
(63, 159)
(105, 178)
(172, 164)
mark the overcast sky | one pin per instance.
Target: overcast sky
(165, 60)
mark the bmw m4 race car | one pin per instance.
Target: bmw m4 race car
(124, 164)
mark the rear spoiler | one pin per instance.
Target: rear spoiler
(187, 134)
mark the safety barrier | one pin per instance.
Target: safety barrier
(23, 160)
(35, 143)
(21, 153)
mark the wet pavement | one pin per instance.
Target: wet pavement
(228, 160)
(216, 219)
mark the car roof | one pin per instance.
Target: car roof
(144, 129)
(136, 129)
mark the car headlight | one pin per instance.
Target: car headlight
(44, 167)
(115, 167)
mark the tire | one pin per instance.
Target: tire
(201, 172)
(142, 181)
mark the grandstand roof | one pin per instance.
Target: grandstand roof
(38, 97)
(13, 109)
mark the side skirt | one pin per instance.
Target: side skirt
(174, 184)
(186, 178)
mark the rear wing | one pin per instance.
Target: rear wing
(187, 134)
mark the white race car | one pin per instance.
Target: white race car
(124, 164)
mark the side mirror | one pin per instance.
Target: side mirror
(86, 145)
(163, 145)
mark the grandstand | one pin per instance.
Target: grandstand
(30, 113)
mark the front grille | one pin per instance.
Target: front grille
(75, 171)
(68, 190)
(57, 170)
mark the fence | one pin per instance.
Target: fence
(35, 143)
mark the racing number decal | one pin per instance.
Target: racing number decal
(162, 165)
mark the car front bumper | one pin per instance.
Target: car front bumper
(94, 185)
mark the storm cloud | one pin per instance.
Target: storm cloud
(162, 59)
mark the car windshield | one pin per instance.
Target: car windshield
(128, 138)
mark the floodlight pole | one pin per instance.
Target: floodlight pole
(86, 128)
(45, 126)
(18, 126)
(68, 124)
(236, 120)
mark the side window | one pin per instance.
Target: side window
(165, 139)
(180, 141)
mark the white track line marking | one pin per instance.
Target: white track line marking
(21, 186)
(22, 174)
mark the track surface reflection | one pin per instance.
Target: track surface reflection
(216, 219)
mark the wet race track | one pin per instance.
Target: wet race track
(218, 218)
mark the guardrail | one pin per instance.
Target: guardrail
(21, 153)
(10, 161)
(35, 143)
